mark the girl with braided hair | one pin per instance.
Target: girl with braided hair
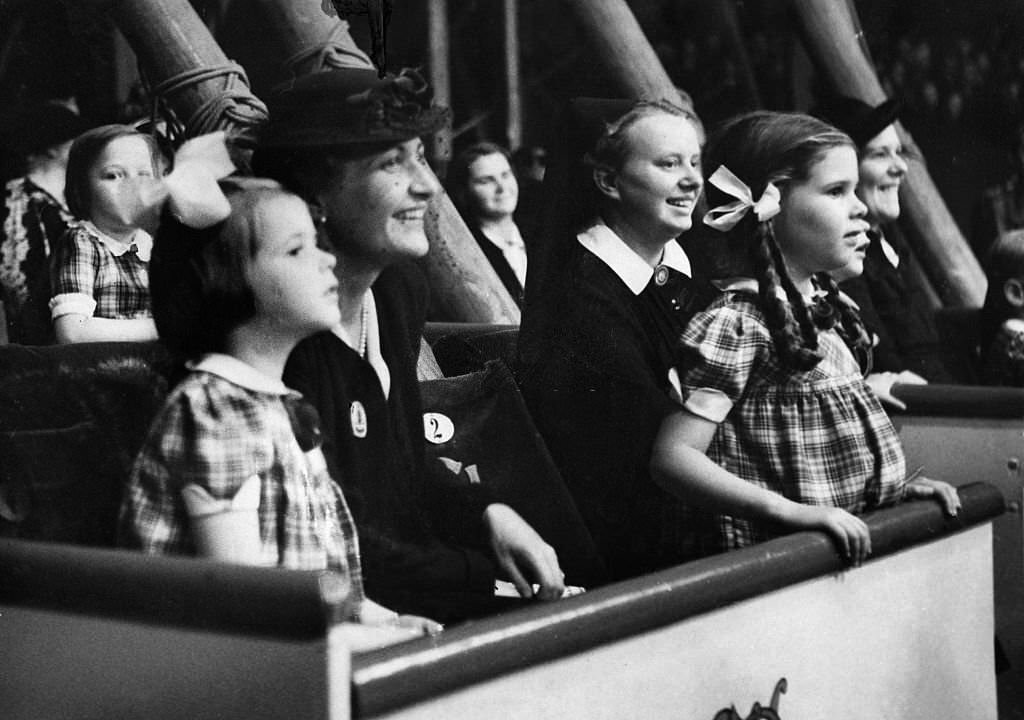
(778, 431)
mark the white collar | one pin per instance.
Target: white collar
(142, 241)
(632, 269)
(240, 373)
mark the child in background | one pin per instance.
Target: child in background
(100, 267)
(232, 467)
(1002, 316)
(778, 430)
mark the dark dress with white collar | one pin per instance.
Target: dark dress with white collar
(497, 259)
(597, 388)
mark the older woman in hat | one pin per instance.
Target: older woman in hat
(350, 144)
(892, 304)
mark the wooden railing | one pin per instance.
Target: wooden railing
(92, 632)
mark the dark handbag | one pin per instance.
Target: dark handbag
(479, 426)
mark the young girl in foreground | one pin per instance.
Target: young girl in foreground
(778, 430)
(232, 468)
(100, 267)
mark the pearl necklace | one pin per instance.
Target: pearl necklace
(363, 329)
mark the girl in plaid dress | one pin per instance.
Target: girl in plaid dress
(778, 430)
(100, 268)
(232, 467)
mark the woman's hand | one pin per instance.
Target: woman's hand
(522, 554)
(850, 533)
(923, 488)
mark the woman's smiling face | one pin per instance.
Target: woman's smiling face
(375, 206)
(660, 179)
(882, 169)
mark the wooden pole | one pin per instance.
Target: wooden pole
(730, 23)
(463, 284)
(620, 43)
(835, 43)
(313, 40)
(439, 68)
(514, 121)
(171, 43)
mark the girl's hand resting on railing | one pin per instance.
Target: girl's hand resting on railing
(922, 488)
(849, 532)
(374, 613)
(881, 383)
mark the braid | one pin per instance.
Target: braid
(792, 332)
(850, 327)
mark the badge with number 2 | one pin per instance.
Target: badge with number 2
(437, 428)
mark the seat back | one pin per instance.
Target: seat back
(72, 418)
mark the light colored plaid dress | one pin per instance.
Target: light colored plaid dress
(96, 275)
(223, 424)
(818, 437)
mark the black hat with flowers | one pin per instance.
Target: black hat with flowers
(350, 106)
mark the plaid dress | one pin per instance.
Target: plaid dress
(96, 275)
(818, 437)
(33, 221)
(223, 424)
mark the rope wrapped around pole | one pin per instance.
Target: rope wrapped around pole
(233, 106)
(178, 55)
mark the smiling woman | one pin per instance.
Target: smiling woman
(486, 192)
(350, 144)
(597, 384)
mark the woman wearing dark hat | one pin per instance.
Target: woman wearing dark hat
(892, 305)
(34, 217)
(349, 143)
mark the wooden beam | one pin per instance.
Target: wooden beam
(514, 112)
(622, 46)
(836, 44)
(313, 40)
(170, 42)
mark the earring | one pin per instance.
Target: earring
(316, 210)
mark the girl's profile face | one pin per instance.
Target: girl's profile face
(291, 278)
(882, 169)
(492, 187)
(660, 180)
(376, 205)
(821, 226)
(116, 179)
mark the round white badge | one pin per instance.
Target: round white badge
(437, 428)
(357, 418)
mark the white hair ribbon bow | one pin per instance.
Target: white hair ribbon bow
(191, 188)
(725, 217)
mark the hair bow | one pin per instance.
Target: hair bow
(190, 189)
(725, 217)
